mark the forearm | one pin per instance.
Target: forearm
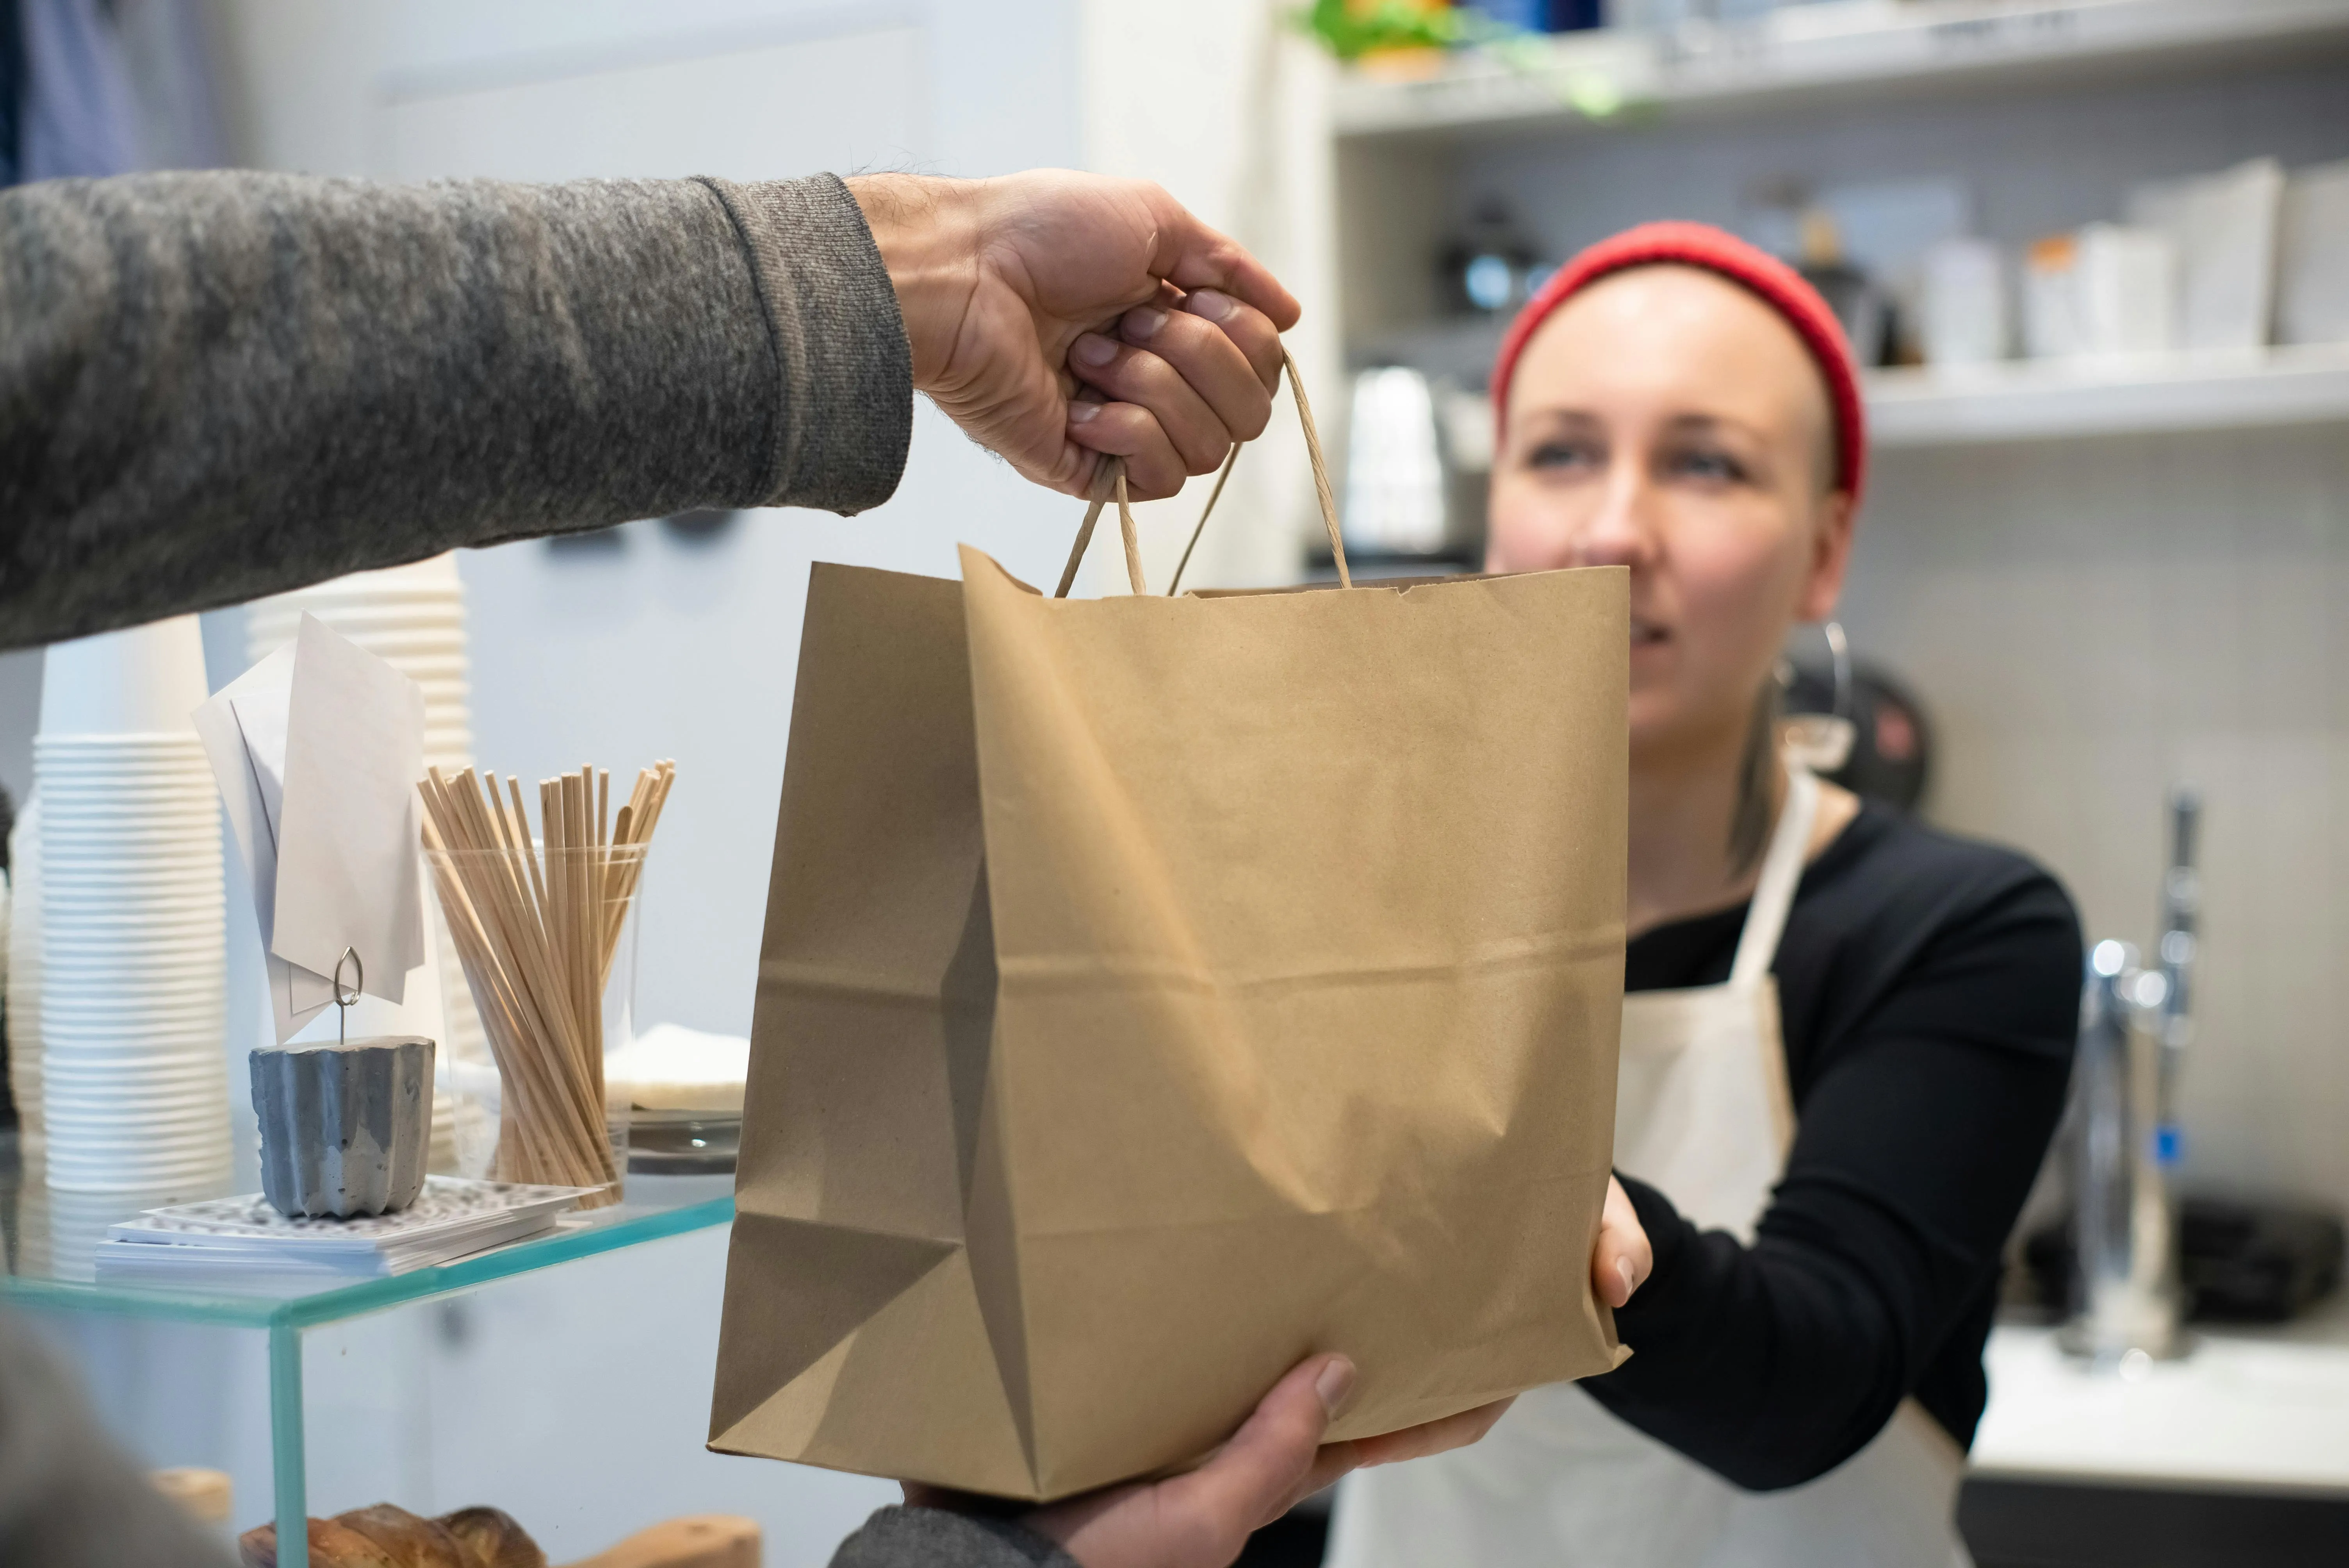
(1772, 1364)
(217, 386)
(1768, 1366)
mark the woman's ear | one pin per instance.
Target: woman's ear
(1830, 554)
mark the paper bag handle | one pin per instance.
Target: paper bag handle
(1110, 484)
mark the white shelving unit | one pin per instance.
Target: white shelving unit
(2050, 400)
(1851, 48)
(2026, 399)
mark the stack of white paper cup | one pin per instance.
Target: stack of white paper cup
(25, 986)
(133, 957)
(413, 618)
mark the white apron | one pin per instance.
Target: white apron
(1705, 1113)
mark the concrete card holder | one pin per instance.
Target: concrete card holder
(345, 1125)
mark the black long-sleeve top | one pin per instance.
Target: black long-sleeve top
(1929, 993)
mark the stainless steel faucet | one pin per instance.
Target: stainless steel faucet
(2135, 1025)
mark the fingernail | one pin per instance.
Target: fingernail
(1094, 350)
(1209, 303)
(1334, 1383)
(1630, 1283)
(1083, 410)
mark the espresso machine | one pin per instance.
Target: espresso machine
(2135, 1023)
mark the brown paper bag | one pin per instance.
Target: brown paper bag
(1156, 991)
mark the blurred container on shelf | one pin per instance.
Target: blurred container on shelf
(1492, 265)
(1539, 16)
(1883, 230)
(2127, 283)
(1525, 15)
(1859, 302)
(1962, 304)
(2105, 289)
(1394, 470)
(2051, 297)
(2224, 227)
(2312, 256)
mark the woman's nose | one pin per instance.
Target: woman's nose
(1617, 532)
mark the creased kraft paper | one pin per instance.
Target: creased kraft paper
(1157, 991)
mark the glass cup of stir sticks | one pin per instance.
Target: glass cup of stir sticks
(545, 928)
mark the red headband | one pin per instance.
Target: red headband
(1702, 245)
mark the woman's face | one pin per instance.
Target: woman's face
(1667, 420)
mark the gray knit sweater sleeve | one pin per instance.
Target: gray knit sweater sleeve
(933, 1538)
(217, 386)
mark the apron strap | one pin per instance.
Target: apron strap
(1782, 870)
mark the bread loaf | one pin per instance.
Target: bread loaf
(385, 1536)
(332, 1545)
(494, 1539)
(407, 1540)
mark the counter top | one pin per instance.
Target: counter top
(2247, 1408)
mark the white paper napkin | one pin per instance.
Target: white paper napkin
(316, 751)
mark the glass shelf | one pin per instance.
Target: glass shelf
(52, 1276)
(49, 1237)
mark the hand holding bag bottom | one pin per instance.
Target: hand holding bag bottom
(1156, 991)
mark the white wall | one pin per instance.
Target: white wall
(2092, 622)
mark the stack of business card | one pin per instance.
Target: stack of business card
(242, 1244)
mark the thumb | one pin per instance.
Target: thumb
(1252, 1478)
(1622, 1257)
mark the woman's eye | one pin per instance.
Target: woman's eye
(1556, 455)
(1703, 463)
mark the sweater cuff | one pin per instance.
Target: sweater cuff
(844, 413)
(935, 1538)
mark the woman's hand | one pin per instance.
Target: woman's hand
(1057, 318)
(1201, 1519)
(1621, 1258)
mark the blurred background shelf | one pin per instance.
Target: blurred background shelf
(2047, 399)
(2014, 400)
(1848, 50)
